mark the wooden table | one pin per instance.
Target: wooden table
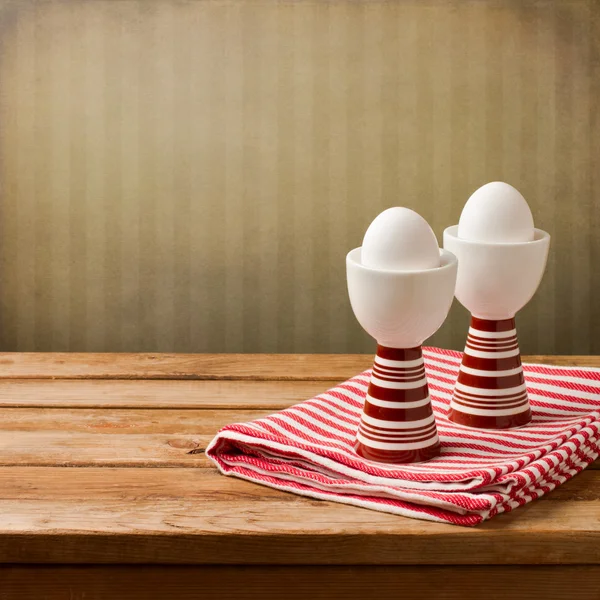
(104, 488)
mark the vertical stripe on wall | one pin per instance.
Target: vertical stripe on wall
(189, 176)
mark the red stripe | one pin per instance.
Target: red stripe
(400, 370)
(491, 404)
(491, 341)
(492, 326)
(499, 406)
(407, 378)
(491, 383)
(398, 414)
(403, 395)
(400, 440)
(473, 396)
(515, 346)
(408, 431)
(491, 364)
(404, 354)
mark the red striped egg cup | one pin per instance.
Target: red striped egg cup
(397, 423)
(400, 309)
(494, 281)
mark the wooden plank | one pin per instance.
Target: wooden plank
(121, 421)
(115, 437)
(187, 516)
(253, 367)
(72, 449)
(122, 437)
(315, 582)
(64, 393)
(125, 483)
(277, 367)
(131, 437)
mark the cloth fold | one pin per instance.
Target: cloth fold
(308, 448)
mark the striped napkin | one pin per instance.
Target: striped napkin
(308, 448)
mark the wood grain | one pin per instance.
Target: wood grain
(126, 483)
(114, 437)
(122, 421)
(314, 582)
(199, 517)
(276, 367)
(72, 449)
(140, 393)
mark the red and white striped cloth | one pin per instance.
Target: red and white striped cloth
(308, 448)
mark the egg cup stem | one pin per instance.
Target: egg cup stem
(490, 392)
(397, 424)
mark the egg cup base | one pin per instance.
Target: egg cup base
(490, 390)
(397, 423)
(486, 422)
(398, 457)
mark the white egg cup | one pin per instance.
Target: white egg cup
(400, 309)
(495, 280)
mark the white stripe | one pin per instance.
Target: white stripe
(401, 405)
(484, 392)
(494, 458)
(406, 373)
(566, 378)
(398, 436)
(400, 369)
(500, 435)
(398, 385)
(490, 413)
(492, 334)
(567, 411)
(481, 354)
(565, 392)
(497, 445)
(320, 414)
(489, 399)
(398, 424)
(397, 445)
(399, 364)
(491, 347)
(290, 420)
(483, 347)
(491, 405)
(480, 373)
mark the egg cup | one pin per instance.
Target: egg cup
(495, 280)
(400, 309)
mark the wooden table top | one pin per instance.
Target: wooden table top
(102, 462)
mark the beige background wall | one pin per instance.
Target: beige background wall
(189, 175)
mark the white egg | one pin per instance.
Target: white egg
(496, 213)
(399, 239)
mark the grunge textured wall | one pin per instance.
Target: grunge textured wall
(189, 175)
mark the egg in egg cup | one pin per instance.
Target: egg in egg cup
(501, 261)
(401, 287)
